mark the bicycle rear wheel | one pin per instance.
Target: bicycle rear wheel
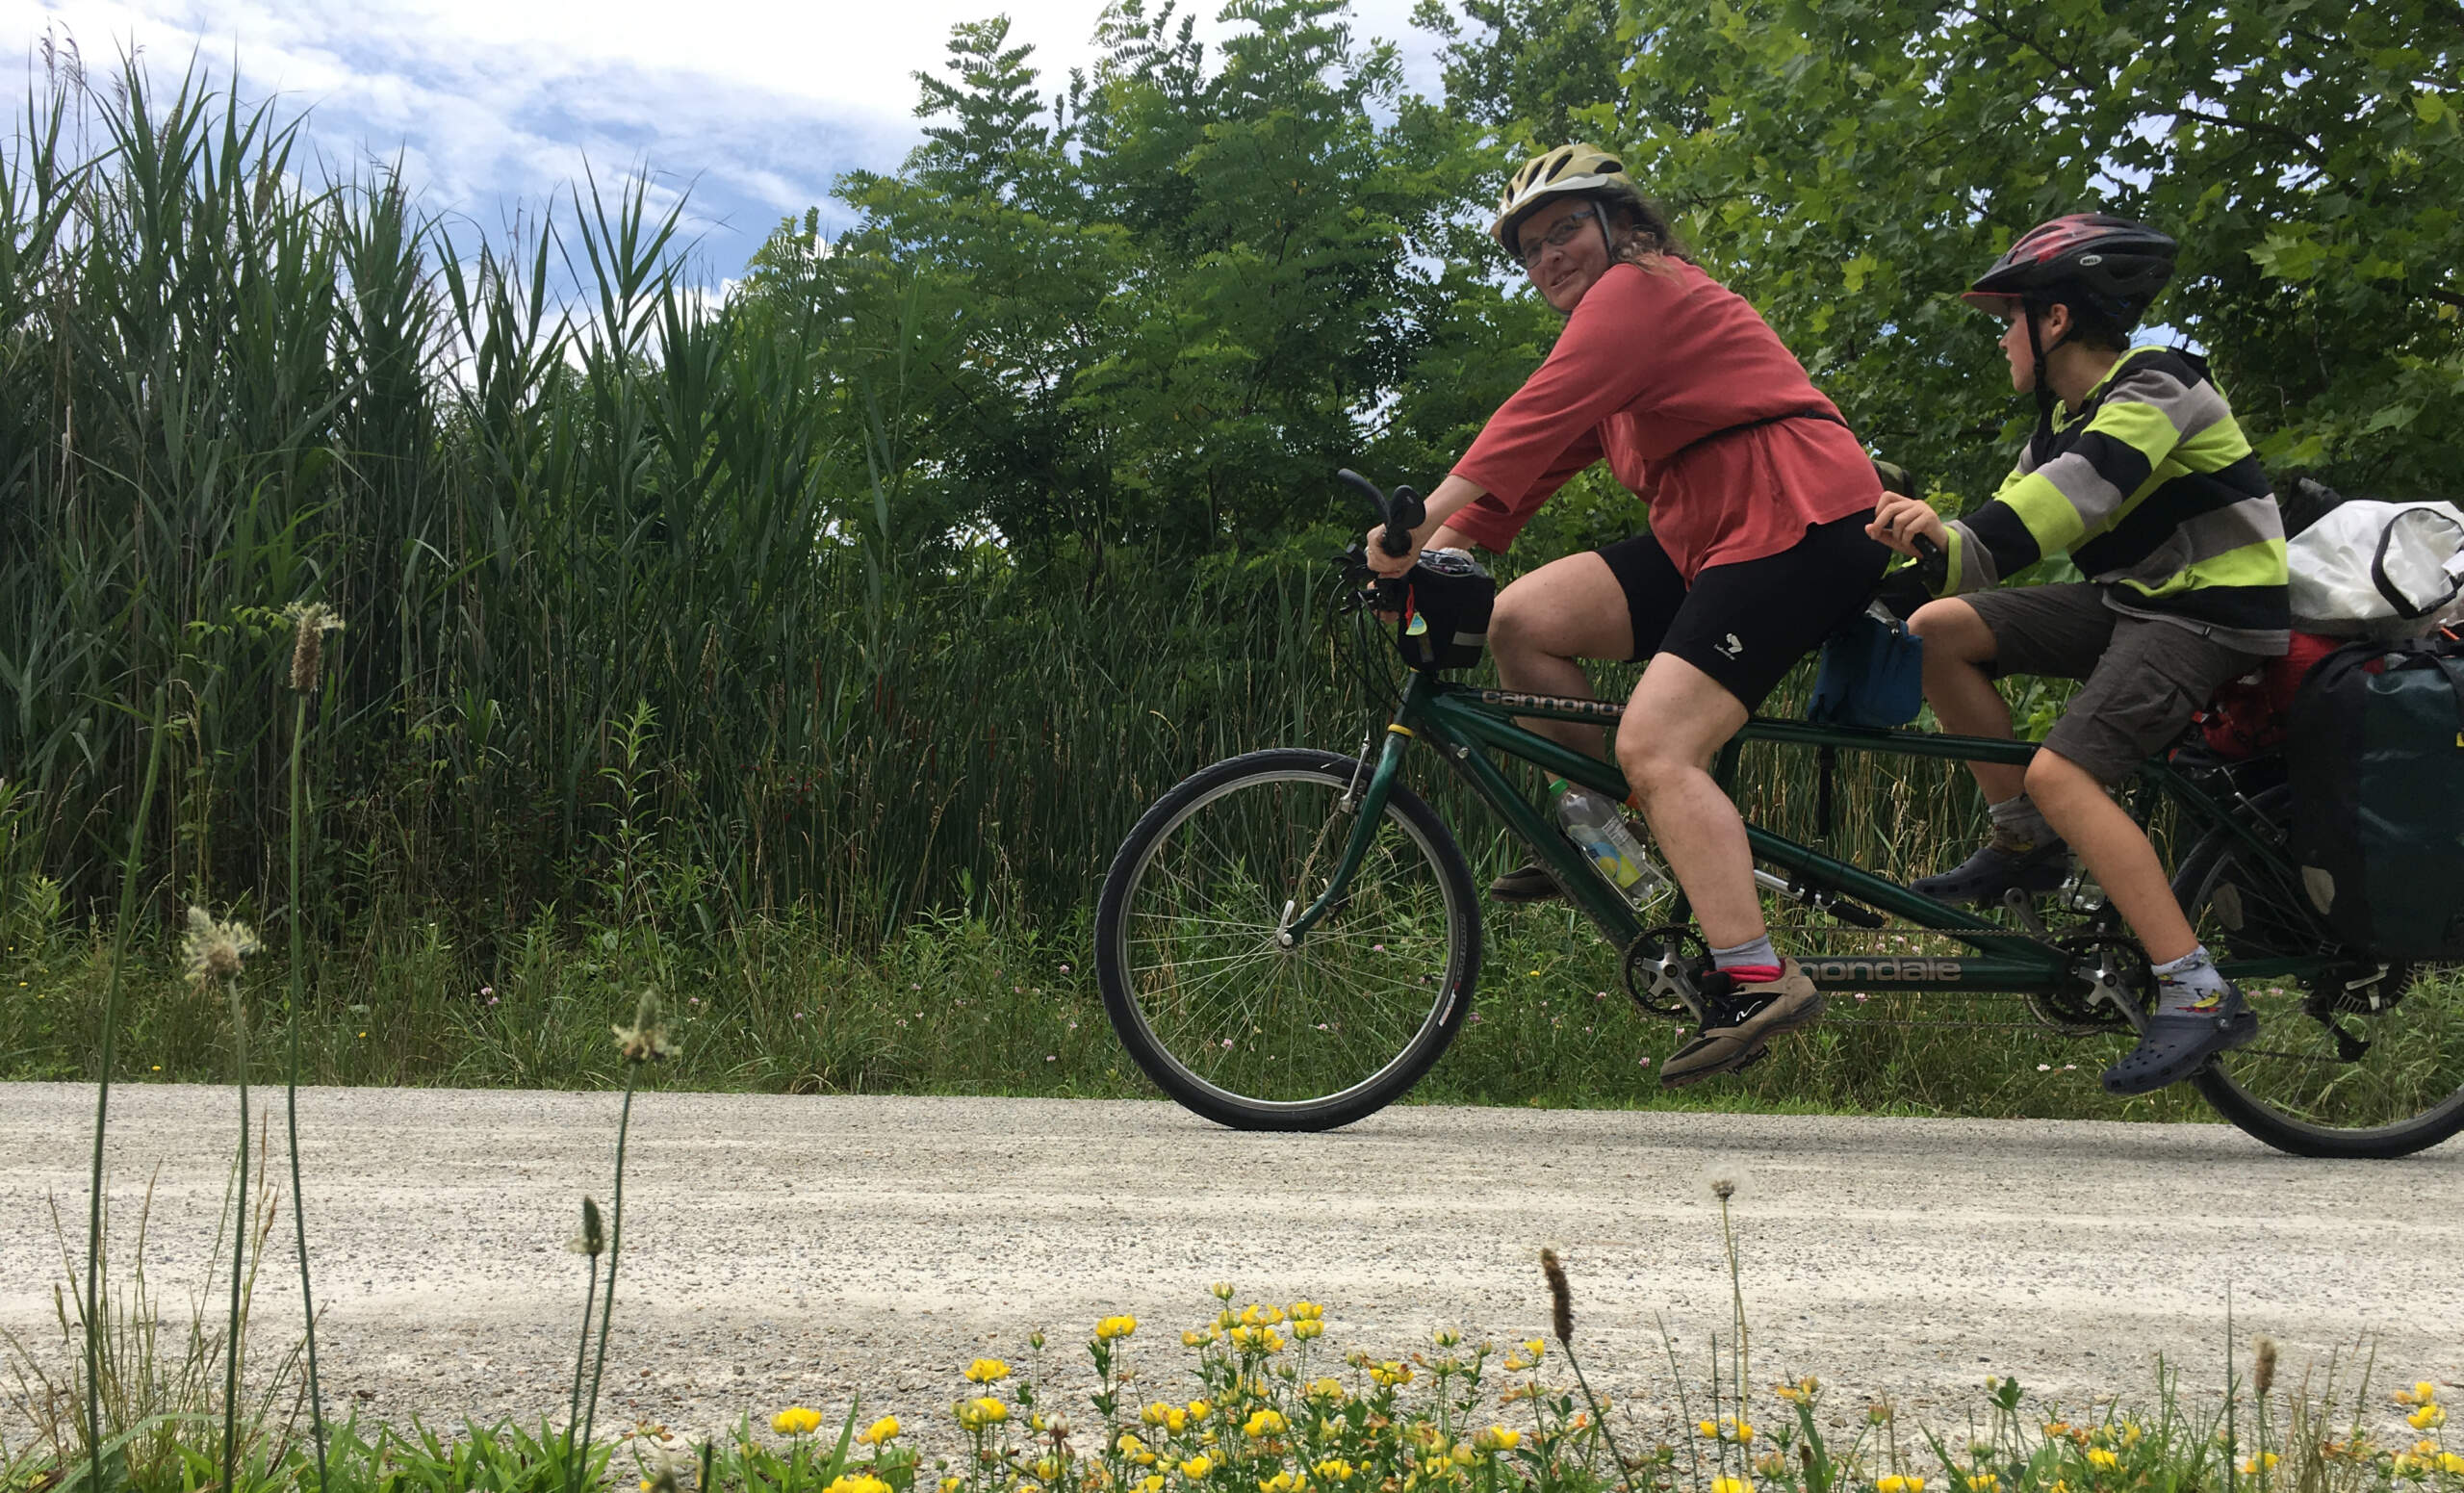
(2366, 1059)
(1237, 1027)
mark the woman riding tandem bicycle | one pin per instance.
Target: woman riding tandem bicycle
(1289, 938)
(1764, 510)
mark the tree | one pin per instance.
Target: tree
(1850, 167)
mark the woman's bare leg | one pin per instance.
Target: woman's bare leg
(1675, 724)
(1567, 609)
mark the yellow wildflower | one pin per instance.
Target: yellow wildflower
(1222, 1290)
(1731, 1486)
(2104, 1457)
(1115, 1327)
(2430, 1417)
(1308, 1327)
(1197, 1467)
(1334, 1469)
(2423, 1392)
(1497, 1438)
(1306, 1311)
(1895, 1483)
(2252, 1466)
(1200, 1410)
(880, 1432)
(1706, 1429)
(2450, 1463)
(1198, 1338)
(1983, 1482)
(987, 1371)
(1325, 1389)
(857, 1482)
(1266, 1423)
(976, 1414)
(1152, 1483)
(795, 1420)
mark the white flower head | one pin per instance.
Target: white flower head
(1724, 1178)
(216, 950)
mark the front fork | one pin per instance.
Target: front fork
(1367, 806)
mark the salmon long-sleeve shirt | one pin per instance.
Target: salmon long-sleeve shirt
(1650, 363)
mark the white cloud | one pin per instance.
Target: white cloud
(491, 104)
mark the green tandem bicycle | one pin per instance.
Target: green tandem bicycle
(1289, 938)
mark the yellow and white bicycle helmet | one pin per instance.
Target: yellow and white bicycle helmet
(1568, 170)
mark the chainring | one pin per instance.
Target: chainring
(1657, 961)
(2100, 962)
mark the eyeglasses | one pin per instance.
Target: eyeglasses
(1560, 235)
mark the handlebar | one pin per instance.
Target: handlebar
(1401, 513)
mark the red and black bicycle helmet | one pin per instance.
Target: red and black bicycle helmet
(2118, 263)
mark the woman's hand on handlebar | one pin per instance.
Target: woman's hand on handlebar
(1391, 565)
(1900, 521)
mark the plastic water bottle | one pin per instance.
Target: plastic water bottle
(1598, 831)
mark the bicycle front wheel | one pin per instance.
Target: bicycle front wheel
(1243, 1030)
(2365, 1059)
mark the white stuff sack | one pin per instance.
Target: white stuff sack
(2383, 570)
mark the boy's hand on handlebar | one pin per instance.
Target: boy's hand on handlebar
(1900, 521)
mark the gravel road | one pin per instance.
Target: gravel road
(784, 1248)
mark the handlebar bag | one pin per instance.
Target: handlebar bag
(1447, 598)
(1872, 674)
(2375, 754)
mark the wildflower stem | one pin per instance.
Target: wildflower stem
(103, 1092)
(1737, 1307)
(1677, 1376)
(615, 1246)
(1599, 1417)
(291, 1094)
(582, 1361)
(238, 1246)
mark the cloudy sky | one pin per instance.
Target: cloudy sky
(753, 105)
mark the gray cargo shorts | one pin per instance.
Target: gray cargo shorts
(2145, 678)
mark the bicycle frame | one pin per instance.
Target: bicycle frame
(1464, 723)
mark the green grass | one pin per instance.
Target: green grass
(960, 1005)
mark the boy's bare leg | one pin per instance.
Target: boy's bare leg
(1957, 645)
(2114, 849)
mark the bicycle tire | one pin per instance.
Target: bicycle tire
(2236, 1084)
(1143, 909)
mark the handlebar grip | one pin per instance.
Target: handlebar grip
(1931, 562)
(1408, 511)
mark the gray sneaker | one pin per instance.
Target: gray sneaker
(1530, 882)
(2002, 864)
(1740, 1021)
(2178, 1043)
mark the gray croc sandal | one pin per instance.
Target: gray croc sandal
(1999, 867)
(2178, 1043)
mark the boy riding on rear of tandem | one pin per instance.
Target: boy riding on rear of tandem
(2137, 469)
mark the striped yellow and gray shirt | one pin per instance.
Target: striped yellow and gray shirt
(2151, 487)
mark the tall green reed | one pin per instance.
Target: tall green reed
(554, 482)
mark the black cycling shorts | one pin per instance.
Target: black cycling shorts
(1746, 625)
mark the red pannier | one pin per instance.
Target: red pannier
(2248, 715)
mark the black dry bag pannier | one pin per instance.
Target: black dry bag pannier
(1445, 621)
(2375, 750)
